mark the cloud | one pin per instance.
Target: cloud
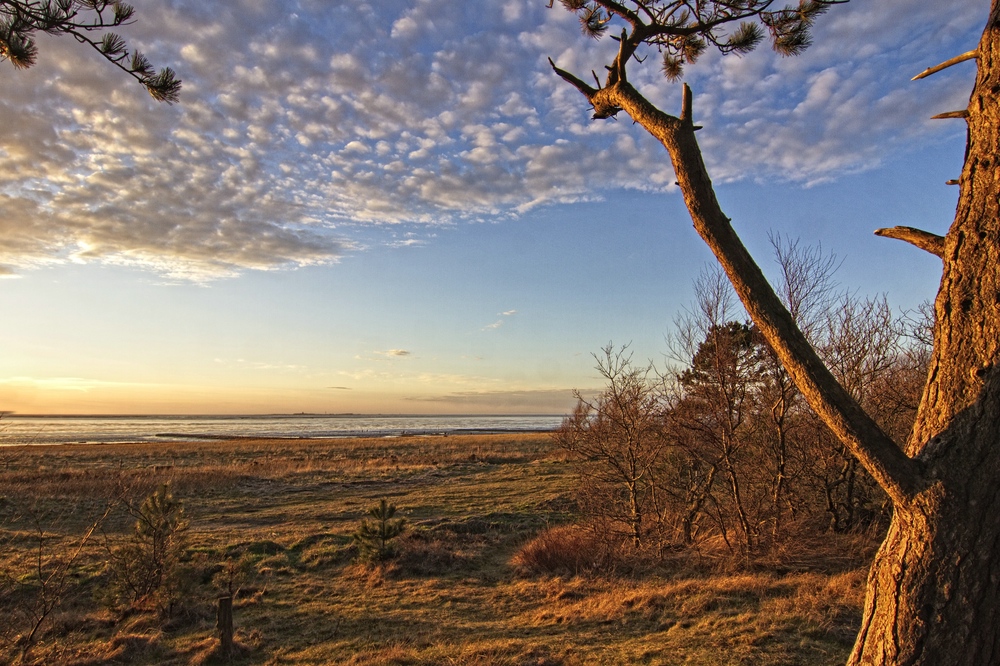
(394, 353)
(261, 365)
(301, 123)
(553, 401)
(340, 388)
(500, 322)
(71, 384)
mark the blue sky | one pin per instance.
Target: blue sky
(397, 207)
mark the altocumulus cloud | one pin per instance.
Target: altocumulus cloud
(301, 121)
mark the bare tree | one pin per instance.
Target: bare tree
(806, 286)
(32, 590)
(933, 586)
(618, 437)
(88, 22)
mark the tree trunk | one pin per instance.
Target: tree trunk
(778, 412)
(696, 495)
(934, 587)
(635, 513)
(741, 514)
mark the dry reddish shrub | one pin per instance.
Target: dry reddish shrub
(565, 549)
(425, 554)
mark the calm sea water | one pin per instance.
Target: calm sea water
(18, 430)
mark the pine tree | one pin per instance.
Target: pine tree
(88, 22)
(373, 537)
(933, 588)
(144, 567)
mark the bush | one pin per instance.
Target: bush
(423, 553)
(565, 549)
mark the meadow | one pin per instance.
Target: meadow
(271, 520)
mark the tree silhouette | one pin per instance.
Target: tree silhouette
(933, 587)
(89, 22)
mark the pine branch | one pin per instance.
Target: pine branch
(19, 19)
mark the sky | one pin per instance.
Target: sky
(396, 207)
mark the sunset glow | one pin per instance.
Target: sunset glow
(396, 207)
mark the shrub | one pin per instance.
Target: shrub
(565, 549)
(372, 538)
(235, 574)
(423, 553)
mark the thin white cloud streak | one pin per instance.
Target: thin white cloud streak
(386, 355)
(555, 401)
(301, 121)
(500, 322)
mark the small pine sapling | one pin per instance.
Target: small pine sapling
(373, 537)
(145, 567)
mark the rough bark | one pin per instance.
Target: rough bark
(935, 584)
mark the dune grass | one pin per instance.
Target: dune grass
(282, 512)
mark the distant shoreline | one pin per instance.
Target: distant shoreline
(355, 435)
(26, 430)
(336, 415)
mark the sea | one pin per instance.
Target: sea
(16, 430)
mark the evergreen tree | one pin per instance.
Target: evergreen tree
(89, 22)
(933, 587)
(144, 567)
(373, 537)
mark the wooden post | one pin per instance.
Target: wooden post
(225, 625)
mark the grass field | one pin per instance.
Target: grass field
(286, 509)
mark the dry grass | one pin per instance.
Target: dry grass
(564, 549)
(487, 572)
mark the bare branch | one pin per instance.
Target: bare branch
(622, 58)
(968, 55)
(964, 113)
(898, 475)
(923, 239)
(620, 10)
(686, 104)
(587, 91)
(603, 106)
